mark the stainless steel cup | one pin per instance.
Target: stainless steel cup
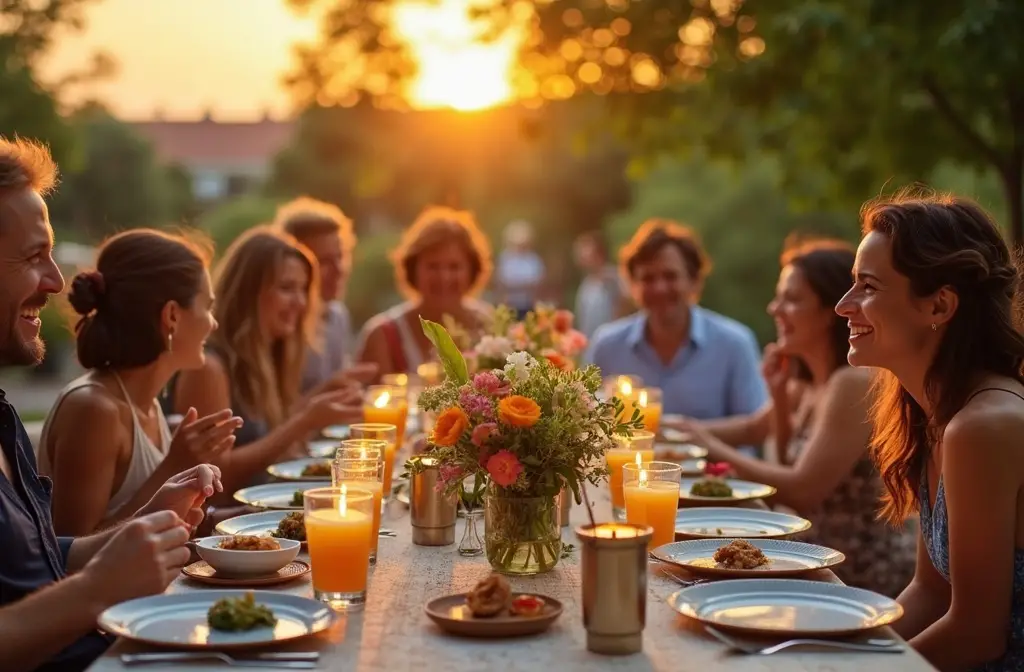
(432, 512)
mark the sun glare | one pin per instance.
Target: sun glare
(457, 67)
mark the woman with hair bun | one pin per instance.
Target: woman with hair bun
(145, 314)
(936, 307)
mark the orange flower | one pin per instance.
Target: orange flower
(449, 427)
(518, 411)
(558, 361)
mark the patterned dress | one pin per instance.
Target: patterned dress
(879, 557)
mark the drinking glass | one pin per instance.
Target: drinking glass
(359, 463)
(648, 401)
(338, 524)
(651, 491)
(628, 449)
(388, 433)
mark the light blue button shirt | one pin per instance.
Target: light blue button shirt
(715, 375)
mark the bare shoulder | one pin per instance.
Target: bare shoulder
(850, 383)
(991, 424)
(92, 411)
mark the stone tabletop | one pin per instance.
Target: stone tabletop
(393, 633)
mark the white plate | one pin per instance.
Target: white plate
(674, 435)
(742, 491)
(259, 524)
(785, 558)
(292, 470)
(179, 619)
(336, 432)
(788, 607)
(236, 563)
(679, 451)
(276, 495)
(323, 448)
(712, 522)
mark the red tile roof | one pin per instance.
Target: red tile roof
(213, 143)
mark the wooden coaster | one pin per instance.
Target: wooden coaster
(202, 572)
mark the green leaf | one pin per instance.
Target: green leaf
(452, 359)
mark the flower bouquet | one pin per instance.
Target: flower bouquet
(545, 333)
(523, 430)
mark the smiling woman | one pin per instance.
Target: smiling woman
(458, 64)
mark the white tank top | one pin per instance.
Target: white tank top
(145, 458)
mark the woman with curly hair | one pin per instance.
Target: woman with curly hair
(442, 262)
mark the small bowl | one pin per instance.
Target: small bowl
(246, 563)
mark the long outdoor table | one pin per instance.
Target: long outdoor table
(392, 633)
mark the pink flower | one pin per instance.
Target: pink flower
(562, 321)
(448, 473)
(482, 432)
(504, 468)
(475, 404)
(572, 343)
(518, 335)
(486, 382)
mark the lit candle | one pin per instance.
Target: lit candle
(384, 404)
(615, 459)
(648, 401)
(614, 531)
(625, 395)
(339, 539)
(651, 492)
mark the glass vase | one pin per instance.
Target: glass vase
(471, 546)
(521, 534)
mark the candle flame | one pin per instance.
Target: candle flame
(342, 504)
(639, 460)
(642, 398)
(625, 387)
(382, 400)
(643, 478)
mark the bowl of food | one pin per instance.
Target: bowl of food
(246, 554)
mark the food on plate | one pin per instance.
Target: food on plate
(249, 542)
(292, 526)
(232, 614)
(527, 605)
(740, 554)
(297, 499)
(489, 597)
(317, 469)
(711, 487)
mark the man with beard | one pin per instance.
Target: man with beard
(53, 589)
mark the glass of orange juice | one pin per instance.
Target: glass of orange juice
(338, 524)
(388, 433)
(651, 491)
(387, 404)
(627, 450)
(648, 402)
(359, 463)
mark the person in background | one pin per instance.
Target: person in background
(441, 264)
(266, 309)
(52, 589)
(936, 306)
(520, 272)
(599, 299)
(327, 233)
(816, 430)
(145, 315)
(707, 365)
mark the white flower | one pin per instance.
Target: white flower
(519, 365)
(494, 347)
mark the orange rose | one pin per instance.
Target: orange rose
(449, 427)
(518, 411)
(558, 361)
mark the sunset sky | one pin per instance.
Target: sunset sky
(182, 57)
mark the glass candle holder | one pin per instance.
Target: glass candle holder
(648, 402)
(626, 451)
(388, 433)
(651, 491)
(432, 373)
(359, 463)
(338, 524)
(623, 387)
(387, 404)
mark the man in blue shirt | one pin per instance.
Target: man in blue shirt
(707, 365)
(53, 589)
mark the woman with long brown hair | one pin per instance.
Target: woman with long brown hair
(266, 308)
(936, 306)
(144, 314)
(441, 265)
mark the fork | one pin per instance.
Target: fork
(288, 661)
(870, 646)
(682, 582)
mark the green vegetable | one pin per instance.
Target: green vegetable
(232, 614)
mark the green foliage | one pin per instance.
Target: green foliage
(452, 359)
(227, 221)
(119, 183)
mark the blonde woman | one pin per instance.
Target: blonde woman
(442, 262)
(266, 310)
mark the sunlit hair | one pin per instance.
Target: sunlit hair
(826, 265)
(437, 227)
(306, 216)
(942, 241)
(656, 234)
(26, 163)
(264, 374)
(120, 304)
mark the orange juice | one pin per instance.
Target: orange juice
(377, 489)
(653, 503)
(339, 549)
(616, 459)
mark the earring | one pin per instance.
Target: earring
(935, 327)
(170, 341)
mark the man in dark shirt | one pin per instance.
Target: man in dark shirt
(53, 589)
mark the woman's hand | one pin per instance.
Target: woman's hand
(201, 441)
(776, 367)
(340, 407)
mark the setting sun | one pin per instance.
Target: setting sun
(458, 68)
